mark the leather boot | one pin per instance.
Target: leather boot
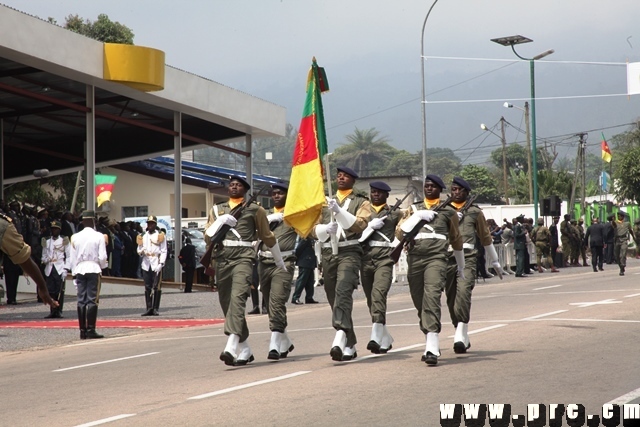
(540, 269)
(61, 301)
(339, 343)
(377, 332)
(554, 269)
(147, 299)
(274, 346)
(52, 313)
(82, 322)
(156, 302)
(92, 318)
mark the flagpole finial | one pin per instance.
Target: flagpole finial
(313, 59)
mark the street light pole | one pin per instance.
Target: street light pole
(424, 100)
(512, 41)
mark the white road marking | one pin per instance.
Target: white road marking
(589, 304)
(400, 311)
(243, 386)
(546, 287)
(105, 420)
(105, 361)
(632, 295)
(104, 341)
(625, 398)
(591, 320)
(488, 328)
(544, 315)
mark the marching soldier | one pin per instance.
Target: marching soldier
(234, 260)
(55, 257)
(427, 260)
(152, 247)
(542, 238)
(341, 270)
(622, 229)
(275, 282)
(19, 253)
(472, 224)
(376, 272)
(88, 256)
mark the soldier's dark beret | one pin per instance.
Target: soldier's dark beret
(379, 185)
(436, 180)
(348, 171)
(240, 179)
(462, 183)
(283, 185)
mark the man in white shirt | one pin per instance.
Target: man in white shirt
(152, 248)
(55, 258)
(88, 256)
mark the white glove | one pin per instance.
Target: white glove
(459, 256)
(228, 219)
(492, 256)
(333, 206)
(426, 215)
(63, 275)
(75, 283)
(498, 268)
(275, 217)
(460, 215)
(277, 256)
(324, 231)
(158, 268)
(377, 223)
(332, 228)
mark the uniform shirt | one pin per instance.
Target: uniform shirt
(445, 223)
(12, 242)
(55, 254)
(358, 206)
(386, 233)
(88, 252)
(541, 235)
(153, 250)
(251, 226)
(286, 237)
(622, 232)
(474, 223)
(520, 235)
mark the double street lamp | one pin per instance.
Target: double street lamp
(512, 41)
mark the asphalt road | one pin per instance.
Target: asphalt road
(551, 339)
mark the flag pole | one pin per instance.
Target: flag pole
(334, 237)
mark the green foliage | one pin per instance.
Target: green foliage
(483, 185)
(103, 29)
(32, 192)
(517, 158)
(404, 163)
(627, 176)
(366, 152)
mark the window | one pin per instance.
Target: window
(134, 211)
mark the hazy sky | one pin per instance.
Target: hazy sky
(371, 52)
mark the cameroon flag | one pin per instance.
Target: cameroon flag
(606, 152)
(305, 197)
(104, 188)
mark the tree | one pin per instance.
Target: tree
(482, 184)
(404, 163)
(517, 158)
(627, 176)
(367, 153)
(103, 29)
(443, 162)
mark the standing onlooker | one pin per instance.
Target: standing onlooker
(307, 262)
(542, 238)
(88, 257)
(609, 237)
(187, 259)
(594, 237)
(566, 235)
(56, 257)
(553, 230)
(520, 242)
(68, 225)
(622, 230)
(507, 242)
(152, 247)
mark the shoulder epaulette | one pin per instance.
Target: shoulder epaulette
(5, 217)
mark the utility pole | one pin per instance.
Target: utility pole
(583, 151)
(529, 166)
(580, 161)
(504, 161)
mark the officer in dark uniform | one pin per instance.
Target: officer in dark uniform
(18, 252)
(187, 259)
(520, 245)
(427, 260)
(376, 273)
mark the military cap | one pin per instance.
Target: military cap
(348, 171)
(622, 213)
(240, 179)
(540, 221)
(281, 185)
(461, 182)
(379, 185)
(152, 218)
(436, 180)
(56, 224)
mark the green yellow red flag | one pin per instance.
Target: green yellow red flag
(104, 188)
(606, 152)
(305, 197)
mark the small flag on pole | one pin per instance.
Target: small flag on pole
(606, 152)
(104, 188)
(305, 197)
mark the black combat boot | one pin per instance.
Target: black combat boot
(92, 317)
(156, 302)
(82, 321)
(147, 298)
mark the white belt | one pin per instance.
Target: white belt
(230, 243)
(464, 246)
(420, 236)
(342, 244)
(380, 244)
(268, 254)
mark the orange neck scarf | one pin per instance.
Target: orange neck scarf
(458, 205)
(235, 202)
(342, 194)
(430, 203)
(278, 210)
(378, 208)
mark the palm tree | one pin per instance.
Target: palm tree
(366, 152)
